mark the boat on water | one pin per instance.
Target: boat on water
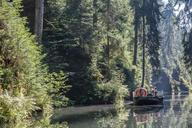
(148, 100)
(141, 98)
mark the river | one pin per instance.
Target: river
(176, 113)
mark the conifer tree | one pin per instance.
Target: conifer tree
(23, 77)
(149, 12)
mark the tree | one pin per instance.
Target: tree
(39, 13)
(136, 7)
(108, 30)
(153, 36)
(29, 13)
(144, 44)
(187, 31)
(22, 74)
(149, 12)
(34, 11)
(90, 41)
(187, 49)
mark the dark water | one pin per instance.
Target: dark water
(176, 113)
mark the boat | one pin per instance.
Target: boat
(141, 98)
(148, 100)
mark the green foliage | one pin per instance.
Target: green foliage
(151, 11)
(75, 37)
(23, 77)
(153, 15)
(187, 49)
(14, 110)
(146, 21)
(112, 91)
(58, 89)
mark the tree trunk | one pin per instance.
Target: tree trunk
(136, 39)
(95, 17)
(108, 28)
(144, 42)
(29, 12)
(95, 30)
(80, 25)
(39, 12)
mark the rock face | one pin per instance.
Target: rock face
(162, 82)
(170, 53)
(190, 3)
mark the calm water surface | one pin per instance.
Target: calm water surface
(176, 113)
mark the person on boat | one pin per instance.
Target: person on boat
(155, 91)
(151, 90)
(140, 92)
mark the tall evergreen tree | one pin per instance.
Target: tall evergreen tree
(153, 36)
(23, 77)
(187, 30)
(187, 49)
(144, 42)
(149, 12)
(137, 15)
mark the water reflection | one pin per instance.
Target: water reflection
(176, 113)
(117, 121)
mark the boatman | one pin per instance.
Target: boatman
(155, 91)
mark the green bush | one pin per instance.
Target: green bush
(23, 77)
(13, 110)
(113, 91)
(58, 89)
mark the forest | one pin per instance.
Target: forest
(69, 53)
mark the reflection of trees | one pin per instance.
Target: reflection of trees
(126, 118)
(117, 121)
(176, 114)
(148, 119)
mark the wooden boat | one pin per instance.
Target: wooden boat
(148, 100)
(141, 97)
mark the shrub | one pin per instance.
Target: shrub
(113, 91)
(58, 89)
(23, 86)
(14, 110)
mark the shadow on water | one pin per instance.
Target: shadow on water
(174, 114)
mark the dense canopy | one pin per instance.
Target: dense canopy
(60, 53)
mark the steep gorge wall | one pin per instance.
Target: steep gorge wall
(172, 66)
